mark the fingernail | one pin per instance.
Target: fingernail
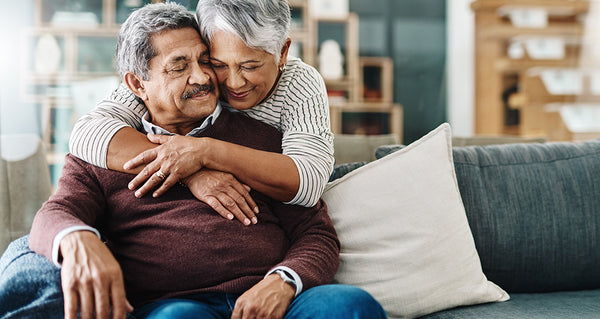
(130, 186)
(254, 220)
(256, 211)
(155, 195)
(246, 222)
(138, 194)
(230, 216)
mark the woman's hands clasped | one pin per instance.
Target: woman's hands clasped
(179, 159)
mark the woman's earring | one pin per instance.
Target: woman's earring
(282, 68)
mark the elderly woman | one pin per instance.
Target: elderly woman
(249, 42)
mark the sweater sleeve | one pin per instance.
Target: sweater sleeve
(93, 131)
(315, 248)
(78, 201)
(307, 137)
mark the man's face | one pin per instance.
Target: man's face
(181, 90)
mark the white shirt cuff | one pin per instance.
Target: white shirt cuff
(294, 275)
(62, 234)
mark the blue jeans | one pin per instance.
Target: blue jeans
(29, 284)
(30, 287)
(326, 302)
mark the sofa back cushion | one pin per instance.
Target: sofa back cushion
(534, 210)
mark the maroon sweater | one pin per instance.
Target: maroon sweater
(175, 244)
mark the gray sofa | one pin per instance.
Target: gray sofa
(534, 211)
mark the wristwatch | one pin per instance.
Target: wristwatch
(286, 277)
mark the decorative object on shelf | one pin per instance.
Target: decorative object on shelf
(69, 13)
(66, 18)
(331, 60)
(560, 81)
(329, 8)
(545, 48)
(47, 55)
(526, 17)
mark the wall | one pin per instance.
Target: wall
(413, 34)
(460, 68)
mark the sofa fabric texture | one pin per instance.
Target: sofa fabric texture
(583, 304)
(534, 210)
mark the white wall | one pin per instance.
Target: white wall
(460, 67)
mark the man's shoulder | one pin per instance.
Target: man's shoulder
(238, 128)
(241, 118)
(73, 164)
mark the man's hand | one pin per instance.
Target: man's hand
(91, 278)
(270, 298)
(225, 194)
(177, 158)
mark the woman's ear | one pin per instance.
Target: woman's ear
(136, 85)
(284, 52)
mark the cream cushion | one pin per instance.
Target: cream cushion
(404, 233)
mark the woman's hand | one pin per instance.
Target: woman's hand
(225, 194)
(176, 158)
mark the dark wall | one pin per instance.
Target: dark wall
(413, 34)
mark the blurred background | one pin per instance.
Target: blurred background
(492, 68)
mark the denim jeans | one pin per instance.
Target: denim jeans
(30, 287)
(326, 302)
(29, 284)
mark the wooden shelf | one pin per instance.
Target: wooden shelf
(496, 73)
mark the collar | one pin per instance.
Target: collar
(208, 121)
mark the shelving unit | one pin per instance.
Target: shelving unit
(522, 49)
(348, 95)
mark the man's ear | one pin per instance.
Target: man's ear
(136, 85)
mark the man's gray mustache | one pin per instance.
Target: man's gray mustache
(197, 89)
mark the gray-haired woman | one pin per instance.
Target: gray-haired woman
(249, 42)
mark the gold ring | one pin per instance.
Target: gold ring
(160, 174)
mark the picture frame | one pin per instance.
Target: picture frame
(329, 9)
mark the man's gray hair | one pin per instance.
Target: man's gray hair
(134, 48)
(261, 24)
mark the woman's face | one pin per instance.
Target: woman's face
(246, 76)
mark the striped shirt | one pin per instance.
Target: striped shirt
(298, 107)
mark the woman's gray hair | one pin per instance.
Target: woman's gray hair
(134, 48)
(261, 24)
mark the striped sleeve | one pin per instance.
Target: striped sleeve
(313, 157)
(93, 131)
(307, 137)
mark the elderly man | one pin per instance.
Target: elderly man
(174, 256)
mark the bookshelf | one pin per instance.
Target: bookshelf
(531, 60)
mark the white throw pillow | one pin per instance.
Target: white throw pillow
(404, 232)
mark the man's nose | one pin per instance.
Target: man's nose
(198, 75)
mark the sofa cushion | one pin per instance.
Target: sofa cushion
(404, 234)
(555, 305)
(534, 210)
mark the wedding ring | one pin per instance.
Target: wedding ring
(160, 174)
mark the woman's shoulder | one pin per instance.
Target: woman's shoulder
(296, 67)
(299, 75)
